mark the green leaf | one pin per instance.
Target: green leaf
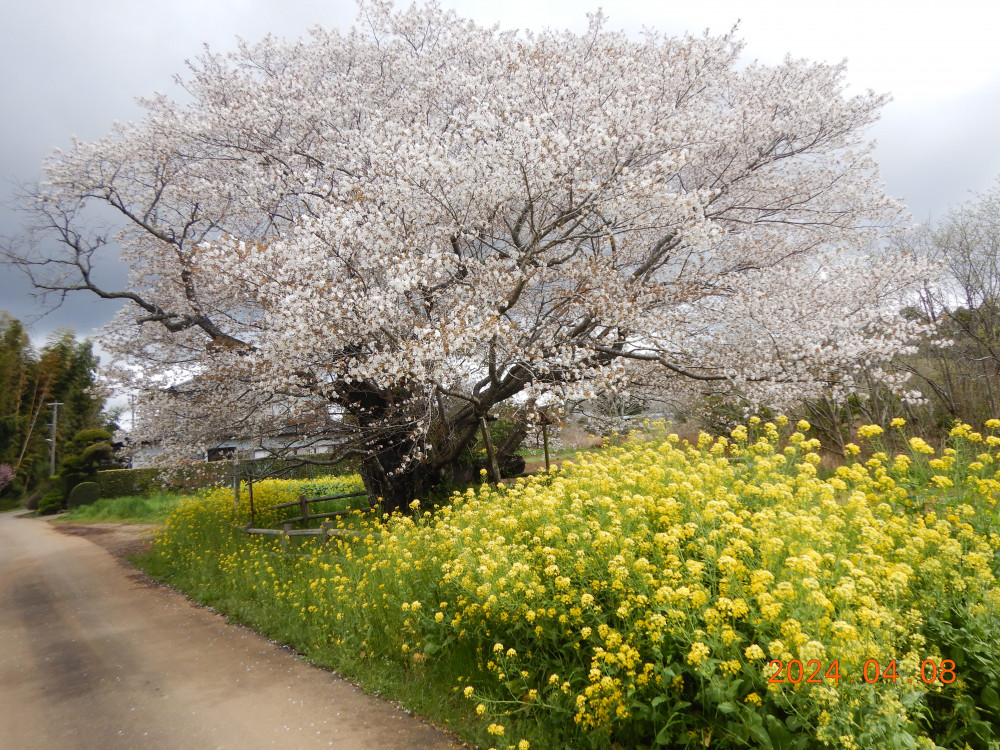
(664, 736)
(990, 698)
(761, 735)
(781, 738)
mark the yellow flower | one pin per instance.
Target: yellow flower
(754, 652)
(480, 709)
(523, 745)
(851, 449)
(753, 698)
(898, 423)
(697, 653)
(919, 446)
(468, 691)
(869, 431)
(960, 430)
(496, 729)
(731, 667)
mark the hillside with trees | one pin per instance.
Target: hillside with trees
(62, 371)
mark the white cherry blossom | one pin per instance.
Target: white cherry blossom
(383, 234)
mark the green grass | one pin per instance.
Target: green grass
(129, 509)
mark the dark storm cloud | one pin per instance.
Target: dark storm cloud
(72, 69)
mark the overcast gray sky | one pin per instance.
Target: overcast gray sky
(72, 68)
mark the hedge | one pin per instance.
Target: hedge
(123, 482)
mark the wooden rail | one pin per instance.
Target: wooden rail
(309, 501)
(325, 531)
(331, 514)
(304, 502)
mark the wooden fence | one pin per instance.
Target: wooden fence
(325, 531)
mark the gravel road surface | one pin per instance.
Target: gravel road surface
(95, 657)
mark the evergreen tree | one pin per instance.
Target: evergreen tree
(63, 371)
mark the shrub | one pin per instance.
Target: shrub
(84, 453)
(51, 502)
(84, 493)
(126, 482)
(31, 501)
(511, 465)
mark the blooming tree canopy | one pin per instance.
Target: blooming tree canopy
(383, 234)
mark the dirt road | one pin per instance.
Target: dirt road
(94, 657)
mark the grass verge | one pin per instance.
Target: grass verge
(130, 509)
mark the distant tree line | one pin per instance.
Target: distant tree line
(957, 369)
(61, 371)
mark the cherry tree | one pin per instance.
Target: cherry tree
(382, 234)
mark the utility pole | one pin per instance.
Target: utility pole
(52, 437)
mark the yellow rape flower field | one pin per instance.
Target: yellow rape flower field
(725, 594)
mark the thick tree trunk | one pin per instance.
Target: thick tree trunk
(395, 491)
(391, 477)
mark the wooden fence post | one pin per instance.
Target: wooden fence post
(494, 467)
(325, 532)
(284, 536)
(304, 507)
(545, 444)
(236, 487)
